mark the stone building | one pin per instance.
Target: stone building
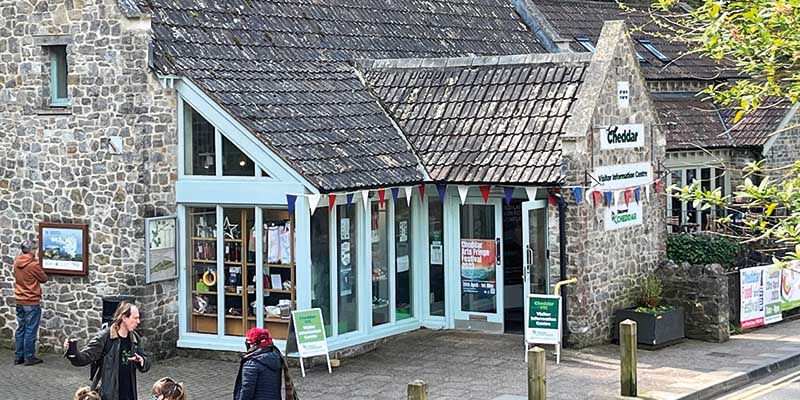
(324, 155)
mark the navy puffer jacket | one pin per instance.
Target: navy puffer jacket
(259, 378)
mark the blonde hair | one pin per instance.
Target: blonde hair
(86, 393)
(170, 389)
(123, 311)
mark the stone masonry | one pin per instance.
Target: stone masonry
(609, 265)
(57, 166)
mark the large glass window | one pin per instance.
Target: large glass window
(235, 162)
(347, 271)
(436, 256)
(321, 266)
(403, 265)
(200, 145)
(202, 269)
(380, 265)
(683, 216)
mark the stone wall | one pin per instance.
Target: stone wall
(57, 165)
(785, 149)
(702, 292)
(610, 265)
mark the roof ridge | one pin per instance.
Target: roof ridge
(474, 61)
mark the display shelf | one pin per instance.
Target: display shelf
(204, 292)
(280, 265)
(204, 239)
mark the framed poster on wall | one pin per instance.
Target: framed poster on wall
(162, 249)
(64, 248)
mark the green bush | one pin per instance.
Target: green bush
(651, 292)
(702, 249)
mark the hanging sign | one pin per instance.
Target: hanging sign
(309, 331)
(623, 94)
(622, 136)
(623, 176)
(543, 316)
(623, 216)
(478, 266)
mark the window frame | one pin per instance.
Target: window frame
(586, 43)
(647, 44)
(58, 61)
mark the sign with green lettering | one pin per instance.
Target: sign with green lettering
(309, 332)
(544, 319)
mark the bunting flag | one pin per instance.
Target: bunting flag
(551, 198)
(658, 185)
(290, 200)
(637, 194)
(509, 193)
(365, 197)
(313, 201)
(647, 191)
(407, 190)
(531, 192)
(617, 193)
(349, 200)
(422, 192)
(597, 195)
(331, 200)
(608, 198)
(628, 193)
(442, 189)
(577, 191)
(381, 197)
(485, 192)
(462, 193)
(395, 194)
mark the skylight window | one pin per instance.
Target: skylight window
(586, 43)
(653, 50)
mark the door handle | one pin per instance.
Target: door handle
(528, 264)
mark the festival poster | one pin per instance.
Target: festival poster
(772, 294)
(478, 268)
(752, 297)
(790, 286)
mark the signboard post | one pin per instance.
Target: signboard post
(309, 332)
(543, 322)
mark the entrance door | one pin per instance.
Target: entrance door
(480, 299)
(534, 242)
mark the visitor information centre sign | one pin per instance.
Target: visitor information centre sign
(309, 331)
(615, 179)
(543, 318)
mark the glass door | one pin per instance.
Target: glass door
(481, 261)
(534, 240)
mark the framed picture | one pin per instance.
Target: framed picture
(162, 249)
(64, 248)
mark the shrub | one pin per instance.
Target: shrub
(702, 249)
(651, 292)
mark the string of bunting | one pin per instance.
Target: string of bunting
(592, 195)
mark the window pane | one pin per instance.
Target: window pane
(278, 268)
(402, 239)
(691, 212)
(436, 255)
(380, 265)
(705, 184)
(719, 174)
(237, 312)
(203, 148)
(478, 269)
(203, 270)
(347, 251)
(321, 266)
(60, 85)
(234, 161)
(675, 203)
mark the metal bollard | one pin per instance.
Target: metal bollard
(537, 385)
(418, 390)
(627, 345)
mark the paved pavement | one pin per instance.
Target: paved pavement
(456, 365)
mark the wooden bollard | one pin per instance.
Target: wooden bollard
(627, 345)
(537, 385)
(418, 390)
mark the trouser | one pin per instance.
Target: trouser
(28, 318)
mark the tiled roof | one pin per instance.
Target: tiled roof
(283, 69)
(495, 123)
(689, 122)
(572, 19)
(756, 127)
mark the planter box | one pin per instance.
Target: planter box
(653, 331)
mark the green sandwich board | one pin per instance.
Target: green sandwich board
(543, 322)
(309, 331)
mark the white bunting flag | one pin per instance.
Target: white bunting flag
(616, 198)
(647, 191)
(313, 201)
(589, 197)
(531, 191)
(408, 190)
(365, 197)
(462, 193)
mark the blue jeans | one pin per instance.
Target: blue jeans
(28, 318)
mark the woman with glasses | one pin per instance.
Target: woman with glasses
(167, 389)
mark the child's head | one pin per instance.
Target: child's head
(86, 393)
(167, 389)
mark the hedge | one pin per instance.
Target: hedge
(702, 249)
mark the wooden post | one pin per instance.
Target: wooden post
(627, 345)
(418, 390)
(537, 385)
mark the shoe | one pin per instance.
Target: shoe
(18, 361)
(33, 361)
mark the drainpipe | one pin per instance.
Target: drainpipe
(562, 255)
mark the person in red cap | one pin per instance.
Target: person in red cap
(260, 370)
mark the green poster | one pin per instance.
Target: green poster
(543, 319)
(310, 333)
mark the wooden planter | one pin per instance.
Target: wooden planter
(653, 331)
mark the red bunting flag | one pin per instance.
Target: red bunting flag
(422, 192)
(551, 198)
(597, 195)
(628, 197)
(485, 189)
(658, 185)
(331, 200)
(381, 196)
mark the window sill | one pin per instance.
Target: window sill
(55, 110)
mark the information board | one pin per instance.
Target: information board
(543, 321)
(309, 332)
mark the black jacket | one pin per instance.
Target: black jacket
(260, 373)
(109, 372)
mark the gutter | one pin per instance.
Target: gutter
(562, 255)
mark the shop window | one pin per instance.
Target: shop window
(279, 296)
(321, 265)
(347, 251)
(380, 265)
(201, 152)
(683, 216)
(436, 256)
(235, 162)
(203, 269)
(238, 268)
(58, 76)
(403, 264)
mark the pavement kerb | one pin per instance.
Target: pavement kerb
(741, 379)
